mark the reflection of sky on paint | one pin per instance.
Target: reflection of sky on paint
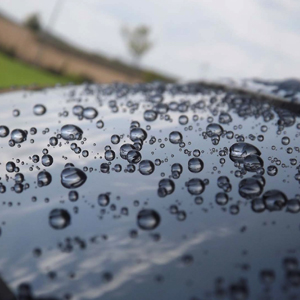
(27, 225)
(192, 38)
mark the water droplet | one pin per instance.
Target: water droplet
(124, 149)
(4, 131)
(250, 188)
(73, 196)
(72, 178)
(148, 219)
(146, 167)
(221, 198)
(175, 137)
(134, 156)
(224, 118)
(258, 205)
(10, 166)
(115, 139)
(183, 120)
(47, 160)
(214, 129)
(59, 218)
(44, 178)
(195, 186)
(239, 151)
(39, 109)
(138, 134)
(103, 199)
(195, 165)
(150, 115)
(165, 187)
(90, 113)
(18, 135)
(71, 132)
(100, 124)
(293, 206)
(274, 200)
(272, 170)
(253, 162)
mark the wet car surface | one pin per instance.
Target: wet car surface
(149, 191)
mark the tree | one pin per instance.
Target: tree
(137, 41)
(33, 22)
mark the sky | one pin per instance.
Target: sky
(193, 39)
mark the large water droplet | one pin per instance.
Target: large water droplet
(250, 188)
(146, 167)
(44, 178)
(148, 219)
(195, 165)
(175, 137)
(47, 160)
(195, 186)
(138, 134)
(214, 129)
(72, 178)
(274, 200)
(59, 218)
(71, 132)
(124, 149)
(239, 151)
(90, 113)
(18, 135)
(253, 162)
(165, 187)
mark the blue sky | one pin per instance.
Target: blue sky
(193, 38)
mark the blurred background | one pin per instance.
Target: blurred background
(44, 42)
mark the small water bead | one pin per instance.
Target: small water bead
(100, 124)
(110, 155)
(181, 215)
(198, 200)
(196, 153)
(146, 167)
(10, 166)
(16, 112)
(253, 162)
(214, 129)
(221, 198)
(39, 109)
(53, 141)
(18, 135)
(4, 131)
(293, 206)
(77, 110)
(134, 156)
(103, 199)
(195, 165)
(285, 140)
(148, 219)
(195, 186)
(44, 178)
(165, 187)
(239, 151)
(19, 177)
(115, 139)
(173, 209)
(124, 149)
(260, 138)
(104, 168)
(234, 209)
(72, 177)
(73, 196)
(90, 113)
(267, 276)
(35, 158)
(150, 115)
(225, 118)
(117, 168)
(274, 200)
(134, 124)
(47, 160)
(85, 153)
(250, 188)
(258, 205)
(138, 134)
(175, 137)
(224, 183)
(183, 120)
(176, 168)
(272, 170)
(71, 132)
(264, 128)
(59, 219)
(229, 135)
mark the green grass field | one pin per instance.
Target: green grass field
(16, 73)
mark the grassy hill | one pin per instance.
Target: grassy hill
(17, 73)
